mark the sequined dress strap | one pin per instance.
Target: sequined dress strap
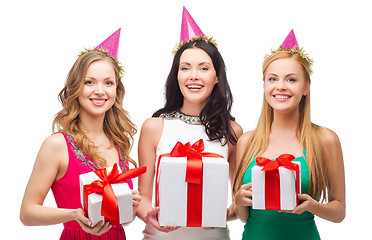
(189, 119)
(84, 159)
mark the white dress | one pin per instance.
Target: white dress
(184, 128)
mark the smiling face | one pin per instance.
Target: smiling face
(99, 91)
(285, 85)
(196, 76)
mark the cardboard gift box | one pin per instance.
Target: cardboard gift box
(105, 194)
(276, 184)
(192, 187)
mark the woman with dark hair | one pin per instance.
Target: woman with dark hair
(198, 104)
(215, 115)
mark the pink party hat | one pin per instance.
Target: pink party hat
(111, 44)
(290, 45)
(290, 42)
(189, 28)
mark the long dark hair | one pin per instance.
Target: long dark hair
(215, 116)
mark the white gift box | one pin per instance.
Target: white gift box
(122, 192)
(288, 195)
(173, 191)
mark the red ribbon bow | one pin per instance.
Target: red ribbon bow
(272, 179)
(283, 160)
(110, 208)
(194, 178)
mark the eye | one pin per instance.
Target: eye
(88, 82)
(110, 83)
(292, 80)
(204, 69)
(271, 79)
(184, 68)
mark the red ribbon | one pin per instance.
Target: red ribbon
(110, 208)
(272, 179)
(194, 178)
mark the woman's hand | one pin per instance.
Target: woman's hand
(307, 203)
(242, 196)
(151, 218)
(86, 224)
(136, 200)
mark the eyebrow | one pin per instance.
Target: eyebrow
(108, 78)
(202, 63)
(290, 74)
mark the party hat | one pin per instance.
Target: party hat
(111, 44)
(189, 28)
(290, 42)
(190, 31)
(109, 47)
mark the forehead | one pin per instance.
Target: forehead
(284, 65)
(100, 67)
(195, 55)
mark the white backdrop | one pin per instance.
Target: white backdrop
(40, 41)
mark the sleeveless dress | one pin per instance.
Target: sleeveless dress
(274, 225)
(178, 126)
(67, 194)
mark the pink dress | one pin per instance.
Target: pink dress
(67, 193)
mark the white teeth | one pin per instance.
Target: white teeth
(281, 96)
(194, 86)
(98, 101)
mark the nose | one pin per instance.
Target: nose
(194, 74)
(281, 85)
(99, 90)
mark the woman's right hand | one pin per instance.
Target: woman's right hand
(153, 220)
(242, 196)
(86, 224)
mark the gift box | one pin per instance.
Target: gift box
(276, 184)
(192, 187)
(107, 196)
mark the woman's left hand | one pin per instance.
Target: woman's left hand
(306, 204)
(136, 200)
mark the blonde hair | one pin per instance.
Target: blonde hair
(117, 125)
(309, 136)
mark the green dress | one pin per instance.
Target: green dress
(274, 225)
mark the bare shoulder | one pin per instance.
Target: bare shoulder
(151, 132)
(237, 128)
(331, 147)
(243, 140)
(52, 156)
(54, 143)
(328, 137)
(152, 125)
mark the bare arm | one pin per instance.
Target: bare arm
(232, 165)
(51, 164)
(334, 210)
(47, 166)
(241, 199)
(147, 145)
(148, 142)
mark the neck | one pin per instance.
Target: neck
(192, 109)
(285, 123)
(93, 126)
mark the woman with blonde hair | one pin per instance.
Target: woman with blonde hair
(92, 131)
(285, 127)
